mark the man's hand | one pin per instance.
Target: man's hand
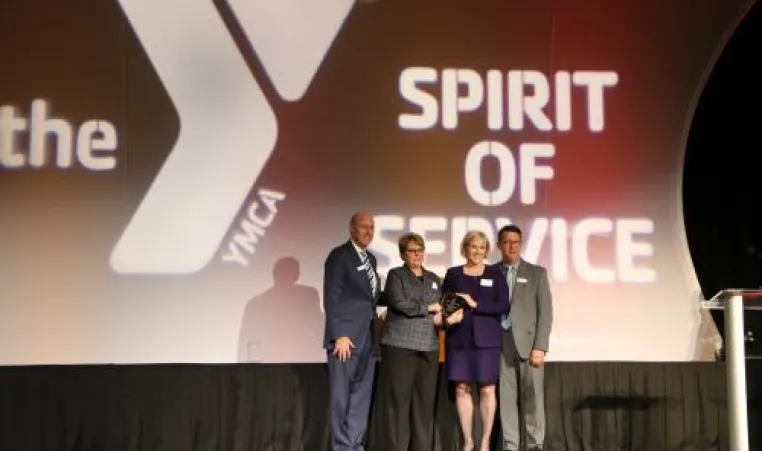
(537, 357)
(437, 319)
(343, 349)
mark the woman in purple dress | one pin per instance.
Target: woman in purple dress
(473, 346)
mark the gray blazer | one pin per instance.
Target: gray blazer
(408, 323)
(531, 309)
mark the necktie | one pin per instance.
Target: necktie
(369, 271)
(511, 280)
(509, 272)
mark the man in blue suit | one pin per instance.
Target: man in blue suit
(350, 293)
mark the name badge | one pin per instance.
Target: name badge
(521, 280)
(434, 285)
(361, 268)
(486, 282)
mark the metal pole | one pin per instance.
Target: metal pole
(736, 373)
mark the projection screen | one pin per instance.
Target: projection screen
(174, 173)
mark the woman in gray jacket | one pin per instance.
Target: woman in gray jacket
(409, 351)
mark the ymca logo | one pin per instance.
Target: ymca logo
(228, 129)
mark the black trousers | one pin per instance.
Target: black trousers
(407, 382)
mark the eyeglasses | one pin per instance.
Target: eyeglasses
(417, 250)
(511, 243)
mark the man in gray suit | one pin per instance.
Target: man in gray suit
(526, 336)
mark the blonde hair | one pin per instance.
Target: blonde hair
(470, 236)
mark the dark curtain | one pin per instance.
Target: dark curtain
(722, 179)
(591, 406)
(637, 406)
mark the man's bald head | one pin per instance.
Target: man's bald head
(362, 227)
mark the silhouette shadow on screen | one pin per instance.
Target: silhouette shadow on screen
(283, 324)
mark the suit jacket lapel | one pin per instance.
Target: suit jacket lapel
(429, 280)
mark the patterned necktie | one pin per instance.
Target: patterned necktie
(369, 271)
